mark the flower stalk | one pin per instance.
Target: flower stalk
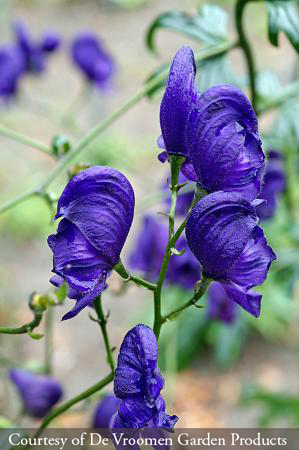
(102, 320)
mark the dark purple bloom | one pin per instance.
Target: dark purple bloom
(138, 383)
(184, 199)
(12, 67)
(93, 60)
(35, 52)
(222, 233)
(147, 257)
(39, 393)
(97, 207)
(274, 184)
(220, 306)
(105, 409)
(223, 142)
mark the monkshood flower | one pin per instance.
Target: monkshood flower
(12, 67)
(223, 142)
(35, 52)
(138, 383)
(39, 393)
(222, 233)
(90, 56)
(97, 208)
(220, 306)
(179, 95)
(147, 256)
(104, 411)
(273, 184)
(184, 199)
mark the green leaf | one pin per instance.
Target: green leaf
(216, 70)
(283, 16)
(208, 26)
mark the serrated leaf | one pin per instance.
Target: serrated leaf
(216, 70)
(283, 17)
(208, 26)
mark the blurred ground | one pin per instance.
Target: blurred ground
(204, 396)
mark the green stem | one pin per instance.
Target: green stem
(85, 394)
(48, 341)
(245, 46)
(103, 324)
(24, 328)
(193, 300)
(98, 129)
(19, 137)
(175, 164)
(127, 276)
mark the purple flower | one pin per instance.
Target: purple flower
(274, 184)
(184, 199)
(105, 409)
(12, 67)
(35, 52)
(39, 393)
(138, 383)
(90, 56)
(220, 306)
(222, 233)
(179, 95)
(223, 142)
(97, 207)
(147, 256)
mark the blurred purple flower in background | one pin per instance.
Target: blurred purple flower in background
(97, 207)
(35, 52)
(12, 67)
(184, 199)
(274, 184)
(138, 383)
(222, 233)
(90, 56)
(220, 306)
(39, 393)
(147, 256)
(104, 411)
(224, 144)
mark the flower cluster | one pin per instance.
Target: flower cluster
(217, 132)
(138, 383)
(97, 208)
(38, 393)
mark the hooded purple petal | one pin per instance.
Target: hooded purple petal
(223, 142)
(38, 393)
(104, 411)
(180, 93)
(274, 184)
(12, 67)
(138, 383)
(218, 230)
(97, 207)
(92, 59)
(34, 52)
(223, 235)
(220, 305)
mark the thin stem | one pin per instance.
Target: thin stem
(24, 328)
(48, 341)
(19, 137)
(193, 300)
(98, 129)
(103, 324)
(85, 394)
(18, 199)
(175, 164)
(127, 276)
(245, 46)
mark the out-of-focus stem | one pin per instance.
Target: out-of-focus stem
(28, 327)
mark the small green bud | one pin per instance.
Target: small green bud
(60, 145)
